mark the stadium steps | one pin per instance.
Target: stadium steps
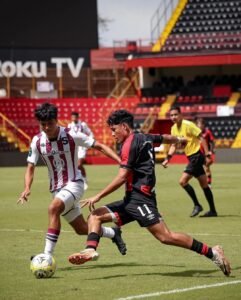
(237, 141)
(166, 106)
(170, 25)
(234, 99)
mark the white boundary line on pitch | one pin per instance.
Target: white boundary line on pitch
(177, 291)
(69, 231)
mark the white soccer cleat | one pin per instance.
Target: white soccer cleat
(220, 260)
(83, 256)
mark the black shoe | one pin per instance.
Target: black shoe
(196, 210)
(209, 214)
(117, 239)
(31, 257)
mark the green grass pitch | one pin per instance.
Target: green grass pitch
(148, 268)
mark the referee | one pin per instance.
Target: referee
(187, 129)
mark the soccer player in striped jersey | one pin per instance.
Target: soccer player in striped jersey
(193, 134)
(137, 172)
(78, 125)
(58, 148)
(209, 138)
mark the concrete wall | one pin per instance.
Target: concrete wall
(13, 159)
(228, 155)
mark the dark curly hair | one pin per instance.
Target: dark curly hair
(46, 112)
(121, 116)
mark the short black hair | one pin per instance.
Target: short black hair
(176, 107)
(46, 112)
(121, 116)
(200, 120)
(75, 113)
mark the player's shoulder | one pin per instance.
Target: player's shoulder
(38, 136)
(83, 124)
(188, 123)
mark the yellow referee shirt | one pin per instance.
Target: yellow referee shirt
(191, 132)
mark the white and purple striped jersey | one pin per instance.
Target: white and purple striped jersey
(82, 127)
(60, 155)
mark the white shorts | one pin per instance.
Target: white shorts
(82, 152)
(70, 195)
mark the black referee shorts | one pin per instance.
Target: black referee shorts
(195, 166)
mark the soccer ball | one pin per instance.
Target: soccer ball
(43, 266)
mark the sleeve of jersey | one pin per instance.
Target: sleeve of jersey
(83, 140)
(156, 138)
(173, 132)
(33, 154)
(87, 130)
(127, 155)
(195, 130)
(211, 137)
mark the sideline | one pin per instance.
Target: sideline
(71, 231)
(177, 291)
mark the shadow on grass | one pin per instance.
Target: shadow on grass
(185, 273)
(117, 265)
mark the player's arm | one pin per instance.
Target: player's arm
(28, 180)
(107, 151)
(212, 146)
(207, 153)
(205, 146)
(87, 130)
(173, 140)
(118, 181)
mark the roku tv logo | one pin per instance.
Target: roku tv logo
(39, 69)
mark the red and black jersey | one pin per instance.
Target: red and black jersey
(208, 136)
(138, 155)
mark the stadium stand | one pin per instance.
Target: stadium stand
(206, 26)
(196, 28)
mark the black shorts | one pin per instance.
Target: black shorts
(195, 166)
(129, 210)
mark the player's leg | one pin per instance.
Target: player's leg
(209, 174)
(161, 232)
(202, 179)
(55, 210)
(184, 182)
(95, 221)
(75, 218)
(63, 204)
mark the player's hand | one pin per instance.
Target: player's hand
(164, 163)
(23, 197)
(208, 159)
(90, 202)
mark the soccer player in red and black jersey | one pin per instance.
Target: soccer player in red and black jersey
(137, 172)
(208, 136)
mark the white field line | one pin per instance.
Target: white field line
(177, 291)
(69, 231)
(29, 230)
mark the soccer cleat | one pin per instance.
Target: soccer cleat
(83, 256)
(196, 210)
(117, 239)
(220, 260)
(209, 214)
(31, 257)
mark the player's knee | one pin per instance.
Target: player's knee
(94, 218)
(55, 208)
(182, 182)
